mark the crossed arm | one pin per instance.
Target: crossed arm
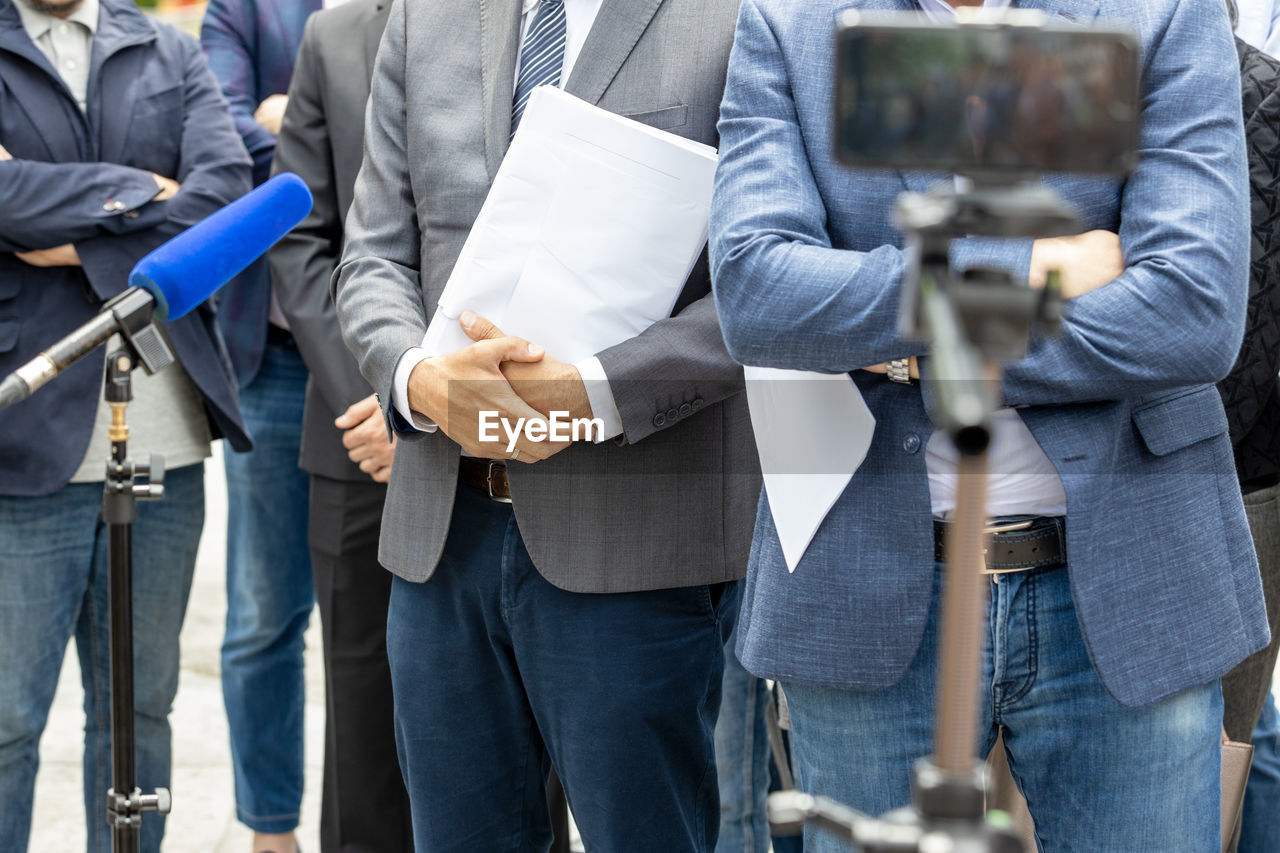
(104, 216)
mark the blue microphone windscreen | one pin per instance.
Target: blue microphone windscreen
(187, 270)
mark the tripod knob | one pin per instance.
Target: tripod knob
(161, 801)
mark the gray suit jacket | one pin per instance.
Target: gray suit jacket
(322, 140)
(672, 502)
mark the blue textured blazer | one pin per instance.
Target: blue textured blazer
(252, 46)
(807, 271)
(84, 179)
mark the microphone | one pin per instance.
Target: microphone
(176, 277)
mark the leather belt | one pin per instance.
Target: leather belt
(1017, 545)
(487, 475)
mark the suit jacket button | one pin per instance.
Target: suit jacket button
(660, 420)
(698, 403)
(672, 414)
(686, 409)
(911, 442)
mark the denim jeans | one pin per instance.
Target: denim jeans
(269, 596)
(1260, 825)
(497, 674)
(53, 584)
(1098, 777)
(742, 758)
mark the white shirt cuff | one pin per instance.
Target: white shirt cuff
(600, 396)
(400, 389)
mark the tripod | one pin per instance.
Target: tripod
(974, 323)
(127, 483)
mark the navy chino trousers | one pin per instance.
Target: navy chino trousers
(498, 675)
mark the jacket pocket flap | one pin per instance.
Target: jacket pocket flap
(8, 334)
(1172, 423)
(663, 119)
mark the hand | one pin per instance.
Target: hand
(454, 389)
(364, 435)
(1086, 261)
(5, 155)
(168, 187)
(913, 367)
(270, 113)
(59, 256)
(547, 385)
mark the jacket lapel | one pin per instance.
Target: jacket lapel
(499, 35)
(114, 75)
(618, 26)
(30, 83)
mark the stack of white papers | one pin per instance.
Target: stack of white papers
(587, 236)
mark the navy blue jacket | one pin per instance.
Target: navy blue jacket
(252, 46)
(153, 106)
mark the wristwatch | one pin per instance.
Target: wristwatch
(899, 370)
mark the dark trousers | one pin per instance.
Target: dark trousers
(364, 807)
(499, 674)
(1245, 688)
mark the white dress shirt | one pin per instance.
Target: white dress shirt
(1259, 24)
(579, 15)
(1022, 480)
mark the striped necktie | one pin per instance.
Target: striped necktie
(542, 57)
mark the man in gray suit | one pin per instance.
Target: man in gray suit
(345, 446)
(569, 606)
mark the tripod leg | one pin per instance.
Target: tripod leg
(124, 838)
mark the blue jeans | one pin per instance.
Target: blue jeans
(1098, 777)
(1260, 825)
(498, 675)
(53, 584)
(269, 596)
(742, 758)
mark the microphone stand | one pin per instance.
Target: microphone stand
(974, 323)
(127, 483)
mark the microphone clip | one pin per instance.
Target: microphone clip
(134, 310)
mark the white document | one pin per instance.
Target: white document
(812, 432)
(591, 227)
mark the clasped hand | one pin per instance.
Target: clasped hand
(501, 374)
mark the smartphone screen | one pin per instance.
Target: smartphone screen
(986, 100)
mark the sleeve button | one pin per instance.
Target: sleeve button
(698, 403)
(686, 409)
(672, 414)
(660, 420)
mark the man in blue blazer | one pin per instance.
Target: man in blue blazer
(1103, 662)
(252, 46)
(113, 138)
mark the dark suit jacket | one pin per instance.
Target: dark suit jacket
(322, 140)
(153, 106)
(1251, 392)
(251, 45)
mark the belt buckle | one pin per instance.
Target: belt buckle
(488, 480)
(1003, 528)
